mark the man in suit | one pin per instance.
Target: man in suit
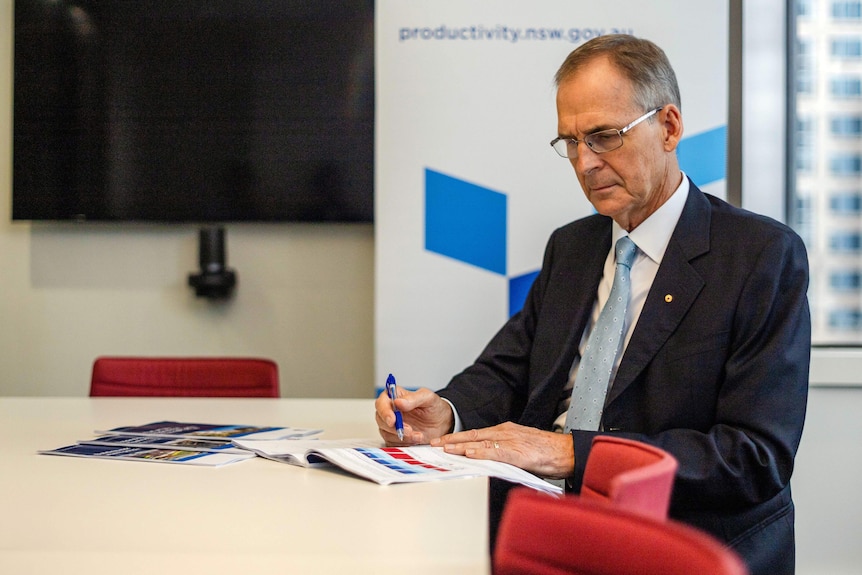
(714, 353)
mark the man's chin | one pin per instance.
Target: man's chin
(607, 205)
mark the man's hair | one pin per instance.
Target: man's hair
(642, 62)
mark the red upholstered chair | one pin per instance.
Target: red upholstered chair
(629, 474)
(546, 535)
(184, 377)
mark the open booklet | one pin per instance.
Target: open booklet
(370, 459)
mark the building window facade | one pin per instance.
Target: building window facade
(846, 10)
(827, 162)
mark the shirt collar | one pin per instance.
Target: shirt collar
(653, 234)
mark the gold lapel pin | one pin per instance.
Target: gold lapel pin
(668, 298)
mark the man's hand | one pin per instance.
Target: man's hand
(426, 416)
(545, 453)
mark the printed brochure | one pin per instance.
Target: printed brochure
(178, 429)
(204, 458)
(384, 465)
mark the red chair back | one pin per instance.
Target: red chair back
(629, 474)
(546, 535)
(184, 377)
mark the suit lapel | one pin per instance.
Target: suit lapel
(674, 289)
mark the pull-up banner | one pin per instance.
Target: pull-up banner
(467, 188)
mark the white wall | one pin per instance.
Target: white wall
(826, 483)
(69, 293)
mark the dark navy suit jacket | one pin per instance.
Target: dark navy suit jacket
(716, 371)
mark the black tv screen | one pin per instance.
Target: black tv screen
(193, 110)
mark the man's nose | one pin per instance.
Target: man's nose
(586, 160)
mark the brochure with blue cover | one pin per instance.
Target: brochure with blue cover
(155, 455)
(177, 429)
(157, 442)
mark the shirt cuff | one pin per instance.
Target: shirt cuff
(458, 425)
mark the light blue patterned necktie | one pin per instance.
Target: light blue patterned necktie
(594, 373)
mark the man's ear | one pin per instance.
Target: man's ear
(671, 119)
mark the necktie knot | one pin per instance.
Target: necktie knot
(626, 250)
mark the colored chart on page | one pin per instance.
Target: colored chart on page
(398, 460)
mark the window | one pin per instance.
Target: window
(846, 204)
(805, 144)
(803, 220)
(847, 10)
(845, 242)
(826, 166)
(845, 280)
(845, 319)
(805, 72)
(847, 48)
(845, 87)
(845, 165)
(846, 126)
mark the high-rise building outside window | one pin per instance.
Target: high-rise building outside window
(827, 162)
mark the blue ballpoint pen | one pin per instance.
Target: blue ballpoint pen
(399, 422)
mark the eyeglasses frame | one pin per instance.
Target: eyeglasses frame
(621, 131)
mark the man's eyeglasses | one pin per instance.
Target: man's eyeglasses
(599, 142)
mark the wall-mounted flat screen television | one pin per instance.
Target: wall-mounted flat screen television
(193, 110)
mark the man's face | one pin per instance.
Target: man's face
(629, 183)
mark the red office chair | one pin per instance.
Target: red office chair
(629, 474)
(545, 535)
(184, 377)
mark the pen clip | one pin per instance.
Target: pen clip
(391, 388)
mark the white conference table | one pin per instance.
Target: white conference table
(73, 515)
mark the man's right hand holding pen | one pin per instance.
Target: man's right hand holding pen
(425, 414)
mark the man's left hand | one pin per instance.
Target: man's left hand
(544, 453)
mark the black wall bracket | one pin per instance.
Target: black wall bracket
(215, 281)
